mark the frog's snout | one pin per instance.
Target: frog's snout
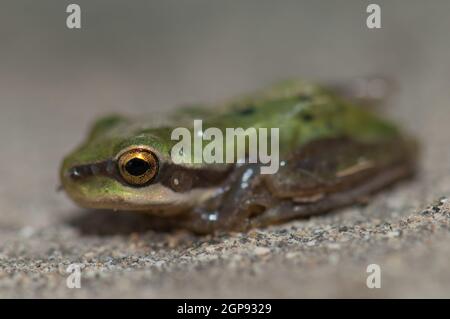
(72, 176)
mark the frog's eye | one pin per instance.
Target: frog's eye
(138, 167)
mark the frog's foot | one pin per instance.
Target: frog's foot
(233, 214)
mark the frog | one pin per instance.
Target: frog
(333, 153)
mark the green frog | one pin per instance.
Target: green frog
(332, 153)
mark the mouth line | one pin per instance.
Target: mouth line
(113, 203)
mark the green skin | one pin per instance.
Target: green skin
(334, 154)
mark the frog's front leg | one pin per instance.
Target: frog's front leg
(244, 197)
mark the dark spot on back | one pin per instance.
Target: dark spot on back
(247, 111)
(304, 98)
(306, 116)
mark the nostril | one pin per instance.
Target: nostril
(78, 172)
(74, 173)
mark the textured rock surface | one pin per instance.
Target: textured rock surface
(133, 59)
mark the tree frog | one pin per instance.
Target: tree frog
(332, 153)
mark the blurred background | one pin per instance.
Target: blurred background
(138, 57)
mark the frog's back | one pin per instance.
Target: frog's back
(303, 113)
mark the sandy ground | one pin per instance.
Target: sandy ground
(153, 56)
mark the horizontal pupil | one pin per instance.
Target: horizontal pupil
(137, 166)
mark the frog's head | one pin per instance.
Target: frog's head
(123, 166)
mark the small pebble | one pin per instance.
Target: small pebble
(260, 251)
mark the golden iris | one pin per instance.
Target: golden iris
(138, 167)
